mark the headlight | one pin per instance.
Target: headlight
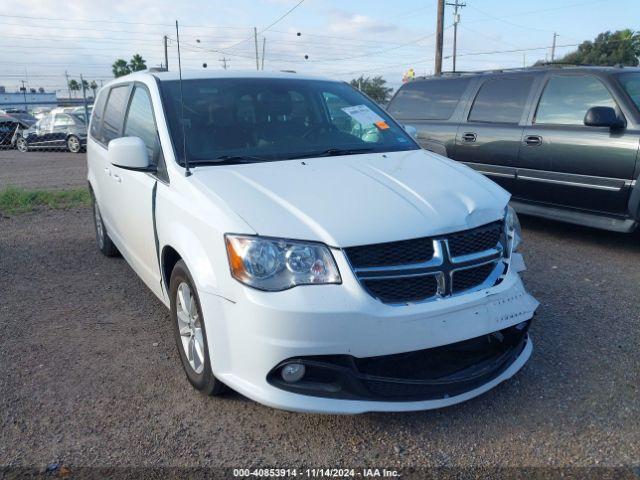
(276, 264)
(512, 224)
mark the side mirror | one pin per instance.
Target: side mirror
(411, 130)
(603, 117)
(129, 153)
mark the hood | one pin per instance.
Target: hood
(356, 199)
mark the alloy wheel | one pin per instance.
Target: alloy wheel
(74, 144)
(190, 327)
(21, 143)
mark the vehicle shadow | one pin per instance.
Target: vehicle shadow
(577, 233)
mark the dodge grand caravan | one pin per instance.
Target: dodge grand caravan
(563, 141)
(312, 256)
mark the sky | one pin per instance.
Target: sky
(42, 40)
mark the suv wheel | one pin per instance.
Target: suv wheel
(105, 245)
(22, 145)
(190, 333)
(73, 144)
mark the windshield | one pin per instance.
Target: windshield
(631, 83)
(261, 119)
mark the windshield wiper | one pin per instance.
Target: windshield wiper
(334, 152)
(230, 160)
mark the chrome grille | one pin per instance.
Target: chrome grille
(426, 268)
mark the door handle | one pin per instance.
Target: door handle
(107, 171)
(469, 137)
(533, 140)
(116, 177)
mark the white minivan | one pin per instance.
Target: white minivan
(312, 256)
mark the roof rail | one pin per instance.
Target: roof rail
(540, 65)
(157, 69)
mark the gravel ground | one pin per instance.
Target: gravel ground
(43, 170)
(91, 376)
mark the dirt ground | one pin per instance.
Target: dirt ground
(91, 376)
(42, 170)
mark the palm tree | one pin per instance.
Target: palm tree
(74, 86)
(120, 68)
(93, 86)
(137, 63)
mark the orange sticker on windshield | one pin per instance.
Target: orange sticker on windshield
(382, 125)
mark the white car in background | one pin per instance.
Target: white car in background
(312, 256)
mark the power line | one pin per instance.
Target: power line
(279, 19)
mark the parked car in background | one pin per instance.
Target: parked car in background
(10, 128)
(311, 255)
(23, 116)
(564, 141)
(55, 131)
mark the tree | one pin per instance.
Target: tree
(137, 63)
(74, 86)
(619, 47)
(93, 86)
(41, 89)
(120, 68)
(374, 87)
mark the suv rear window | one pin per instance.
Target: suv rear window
(428, 99)
(501, 100)
(114, 113)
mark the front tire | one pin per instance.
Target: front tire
(105, 245)
(22, 145)
(189, 332)
(73, 144)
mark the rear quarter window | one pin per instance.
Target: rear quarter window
(428, 99)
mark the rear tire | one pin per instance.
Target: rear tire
(105, 245)
(189, 332)
(22, 145)
(73, 144)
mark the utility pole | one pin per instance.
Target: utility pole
(84, 97)
(224, 62)
(439, 38)
(68, 88)
(456, 20)
(255, 38)
(166, 56)
(264, 41)
(553, 47)
(24, 95)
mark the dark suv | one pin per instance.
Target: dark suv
(564, 141)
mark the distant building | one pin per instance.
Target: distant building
(28, 100)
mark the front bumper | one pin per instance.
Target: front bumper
(252, 335)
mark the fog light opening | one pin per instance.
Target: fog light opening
(292, 372)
